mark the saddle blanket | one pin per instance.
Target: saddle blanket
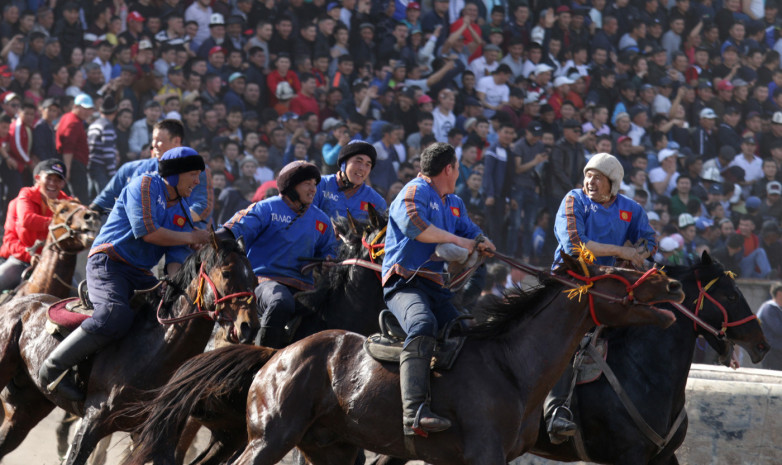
(66, 315)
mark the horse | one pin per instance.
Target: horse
(327, 396)
(217, 280)
(652, 365)
(72, 230)
(211, 388)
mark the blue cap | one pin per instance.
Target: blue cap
(753, 202)
(84, 100)
(332, 5)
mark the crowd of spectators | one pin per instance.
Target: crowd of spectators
(687, 94)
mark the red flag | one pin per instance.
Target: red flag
(625, 215)
(456, 212)
(179, 221)
(365, 206)
(320, 226)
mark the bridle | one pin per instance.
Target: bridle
(69, 231)
(703, 294)
(200, 302)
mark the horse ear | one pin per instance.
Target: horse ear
(374, 217)
(570, 262)
(352, 223)
(213, 238)
(706, 258)
(241, 245)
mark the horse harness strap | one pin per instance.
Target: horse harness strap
(200, 301)
(69, 232)
(703, 293)
(651, 434)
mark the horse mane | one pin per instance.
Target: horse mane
(215, 376)
(498, 316)
(179, 282)
(682, 272)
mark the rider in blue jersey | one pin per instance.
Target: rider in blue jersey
(279, 232)
(166, 135)
(150, 219)
(346, 190)
(425, 213)
(610, 225)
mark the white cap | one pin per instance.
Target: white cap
(685, 219)
(665, 153)
(216, 20)
(777, 118)
(174, 115)
(562, 80)
(542, 68)
(668, 244)
(708, 113)
(652, 216)
(712, 174)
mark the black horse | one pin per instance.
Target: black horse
(346, 297)
(652, 365)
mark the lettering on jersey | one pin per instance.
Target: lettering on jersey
(434, 206)
(331, 196)
(365, 206)
(320, 226)
(161, 202)
(592, 207)
(456, 212)
(625, 215)
(281, 218)
(179, 221)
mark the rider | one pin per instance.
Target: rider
(28, 220)
(151, 218)
(346, 190)
(279, 231)
(166, 135)
(424, 214)
(606, 223)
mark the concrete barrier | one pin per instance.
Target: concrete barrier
(734, 418)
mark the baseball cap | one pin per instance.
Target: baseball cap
(715, 190)
(5, 71)
(216, 20)
(777, 118)
(413, 6)
(708, 113)
(83, 100)
(623, 139)
(652, 216)
(424, 99)
(685, 219)
(145, 45)
(332, 5)
(51, 40)
(491, 48)
(665, 153)
(542, 68)
(774, 187)
(49, 102)
(235, 76)
(563, 9)
(136, 16)
(51, 166)
(748, 140)
(752, 202)
(571, 124)
(725, 85)
(535, 128)
(332, 123)
(216, 49)
(562, 80)
(472, 101)
(668, 244)
(288, 116)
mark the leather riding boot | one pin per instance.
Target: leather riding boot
(414, 379)
(272, 337)
(558, 417)
(73, 349)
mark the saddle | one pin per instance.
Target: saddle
(66, 315)
(588, 369)
(386, 346)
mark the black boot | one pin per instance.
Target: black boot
(73, 349)
(558, 417)
(414, 378)
(276, 338)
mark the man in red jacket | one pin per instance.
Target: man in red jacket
(28, 220)
(72, 145)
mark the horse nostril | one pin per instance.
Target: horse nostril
(674, 286)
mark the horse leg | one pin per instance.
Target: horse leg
(386, 460)
(335, 454)
(24, 408)
(99, 456)
(90, 432)
(63, 431)
(186, 439)
(261, 452)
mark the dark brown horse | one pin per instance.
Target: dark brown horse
(646, 357)
(72, 230)
(140, 361)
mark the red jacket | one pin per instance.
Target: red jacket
(72, 137)
(27, 221)
(20, 143)
(274, 78)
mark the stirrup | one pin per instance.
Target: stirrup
(561, 426)
(419, 430)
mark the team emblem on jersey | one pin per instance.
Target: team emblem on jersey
(625, 215)
(179, 221)
(320, 226)
(365, 206)
(456, 212)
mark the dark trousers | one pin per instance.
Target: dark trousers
(79, 183)
(98, 178)
(276, 303)
(421, 306)
(111, 284)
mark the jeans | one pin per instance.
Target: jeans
(11, 273)
(276, 304)
(111, 284)
(527, 201)
(421, 308)
(757, 260)
(78, 184)
(97, 180)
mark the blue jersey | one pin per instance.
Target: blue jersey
(415, 208)
(580, 220)
(334, 202)
(142, 209)
(276, 238)
(201, 200)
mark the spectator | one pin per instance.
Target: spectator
(102, 143)
(71, 142)
(141, 131)
(770, 316)
(44, 146)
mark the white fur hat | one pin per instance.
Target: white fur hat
(609, 166)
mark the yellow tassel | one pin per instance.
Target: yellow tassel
(577, 291)
(731, 274)
(584, 254)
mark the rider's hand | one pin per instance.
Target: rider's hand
(465, 243)
(631, 254)
(486, 245)
(199, 236)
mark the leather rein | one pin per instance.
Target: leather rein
(200, 302)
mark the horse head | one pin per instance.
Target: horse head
(622, 297)
(73, 226)
(219, 280)
(722, 305)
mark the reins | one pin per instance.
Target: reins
(69, 231)
(200, 302)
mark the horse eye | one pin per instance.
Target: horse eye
(733, 297)
(226, 274)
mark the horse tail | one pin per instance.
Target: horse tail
(208, 378)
